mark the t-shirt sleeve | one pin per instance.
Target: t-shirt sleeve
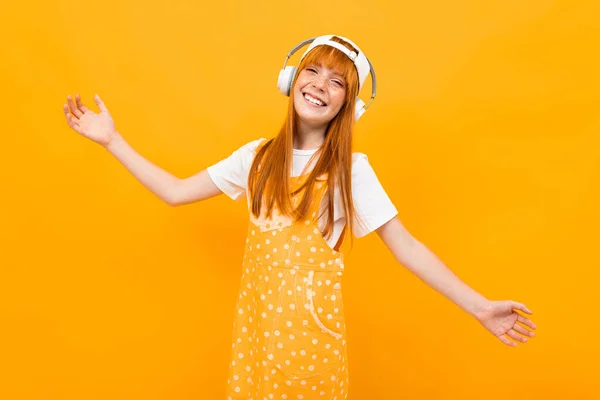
(371, 202)
(231, 174)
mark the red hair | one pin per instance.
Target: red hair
(269, 175)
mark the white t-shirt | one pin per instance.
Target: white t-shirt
(371, 201)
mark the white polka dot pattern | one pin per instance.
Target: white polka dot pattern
(289, 330)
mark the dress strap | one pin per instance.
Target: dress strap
(341, 239)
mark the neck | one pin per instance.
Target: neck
(309, 137)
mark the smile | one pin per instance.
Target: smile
(315, 102)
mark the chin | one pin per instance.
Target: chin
(310, 120)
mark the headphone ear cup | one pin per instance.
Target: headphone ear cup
(359, 109)
(286, 77)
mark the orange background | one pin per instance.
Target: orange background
(485, 134)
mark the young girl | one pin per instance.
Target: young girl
(306, 190)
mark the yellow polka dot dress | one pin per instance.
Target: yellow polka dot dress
(289, 330)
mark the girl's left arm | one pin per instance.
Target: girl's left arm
(498, 317)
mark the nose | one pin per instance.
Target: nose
(319, 83)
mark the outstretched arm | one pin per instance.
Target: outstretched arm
(171, 189)
(498, 317)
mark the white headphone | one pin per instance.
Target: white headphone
(361, 62)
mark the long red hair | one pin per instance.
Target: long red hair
(269, 175)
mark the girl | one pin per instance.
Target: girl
(306, 191)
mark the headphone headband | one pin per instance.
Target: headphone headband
(363, 67)
(361, 62)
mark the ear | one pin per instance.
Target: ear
(286, 77)
(359, 109)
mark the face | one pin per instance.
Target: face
(319, 95)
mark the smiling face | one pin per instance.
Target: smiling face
(319, 94)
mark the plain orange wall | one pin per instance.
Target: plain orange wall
(485, 134)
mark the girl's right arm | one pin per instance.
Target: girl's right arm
(101, 129)
(169, 188)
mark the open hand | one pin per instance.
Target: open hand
(500, 318)
(98, 127)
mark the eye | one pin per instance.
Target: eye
(311, 69)
(340, 84)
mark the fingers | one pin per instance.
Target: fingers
(506, 341)
(100, 104)
(516, 336)
(72, 122)
(522, 330)
(80, 105)
(76, 112)
(520, 306)
(526, 321)
(513, 335)
(517, 330)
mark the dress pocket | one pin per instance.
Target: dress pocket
(324, 302)
(302, 345)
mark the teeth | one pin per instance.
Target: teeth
(313, 100)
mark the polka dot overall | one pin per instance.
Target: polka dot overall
(289, 330)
